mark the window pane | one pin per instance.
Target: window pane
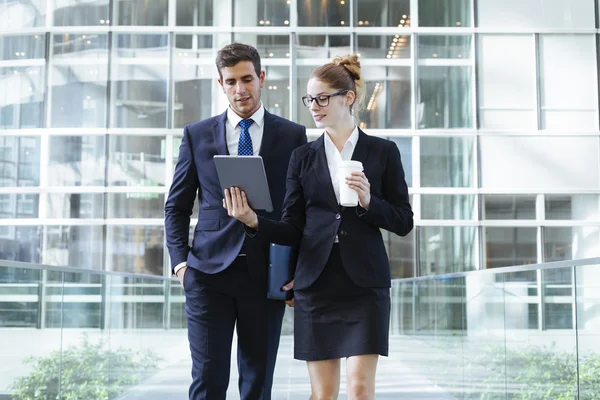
(567, 102)
(383, 13)
(405, 147)
(22, 92)
(509, 207)
(139, 76)
(136, 161)
(388, 97)
(447, 162)
(20, 243)
(195, 12)
(19, 161)
(193, 60)
(507, 82)
(22, 14)
(276, 92)
(566, 243)
(402, 254)
(539, 162)
(383, 46)
(324, 13)
(269, 46)
(510, 246)
(447, 249)
(322, 46)
(75, 205)
(531, 14)
(75, 246)
(141, 12)
(584, 207)
(136, 249)
(451, 207)
(261, 13)
(22, 47)
(75, 13)
(77, 161)
(444, 97)
(19, 206)
(136, 205)
(447, 47)
(79, 79)
(443, 13)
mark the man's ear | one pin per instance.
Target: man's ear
(262, 77)
(221, 83)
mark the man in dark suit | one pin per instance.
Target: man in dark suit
(224, 273)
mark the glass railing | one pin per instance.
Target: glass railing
(68, 333)
(530, 332)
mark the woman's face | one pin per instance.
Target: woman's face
(337, 106)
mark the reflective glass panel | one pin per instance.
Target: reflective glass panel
(323, 13)
(584, 207)
(508, 207)
(75, 13)
(447, 162)
(448, 206)
(75, 205)
(136, 161)
(22, 47)
(442, 13)
(75, 246)
(19, 161)
(77, 160)
(22, 91)
(263, 13)
(195, 12)
(383, 46)
(136, 205)
(141, 12)
(19, 206)
(382, 13)
(447, 249)
(444, 98)
(137, 249)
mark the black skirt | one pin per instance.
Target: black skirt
(335, 318)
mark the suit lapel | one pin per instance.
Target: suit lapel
(219, 136)
(322, 170)
(361, 151)
(270, 132)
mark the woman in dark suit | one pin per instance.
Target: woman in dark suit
(342, 279)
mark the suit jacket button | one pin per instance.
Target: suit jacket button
(343, 232)
(338, 216)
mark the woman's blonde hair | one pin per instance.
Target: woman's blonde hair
(344, 73)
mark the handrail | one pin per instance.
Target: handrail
(75, 270)
(505, 270)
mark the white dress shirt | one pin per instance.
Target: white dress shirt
(232, 136)
(334, 157)
(233, 130)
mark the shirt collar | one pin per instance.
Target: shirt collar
(351, 140)
(258, 117)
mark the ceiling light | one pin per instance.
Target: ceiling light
(102, 21)
(286, 22)
(83, 36)
(261, 22)
(342, 22)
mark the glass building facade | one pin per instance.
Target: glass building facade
(493, 106)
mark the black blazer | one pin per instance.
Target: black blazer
(313, 217)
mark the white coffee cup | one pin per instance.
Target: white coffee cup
(348, 196)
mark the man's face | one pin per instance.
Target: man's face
(242, 87)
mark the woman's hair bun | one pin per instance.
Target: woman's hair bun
(351, 63)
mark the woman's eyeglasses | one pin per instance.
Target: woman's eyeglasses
(322, 100)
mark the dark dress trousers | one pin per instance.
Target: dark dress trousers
(342, 289)
(222, 288)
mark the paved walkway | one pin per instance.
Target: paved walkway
(400, 376)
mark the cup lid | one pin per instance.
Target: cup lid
(351, 163)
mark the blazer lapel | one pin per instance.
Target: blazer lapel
(219, 136)
(270, 132)
(322, 170)
(361, 151)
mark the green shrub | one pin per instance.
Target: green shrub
(89, 371)
(537, 374)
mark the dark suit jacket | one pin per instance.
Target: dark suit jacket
(312, 216)
(218, 238)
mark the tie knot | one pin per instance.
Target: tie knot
(245, 123)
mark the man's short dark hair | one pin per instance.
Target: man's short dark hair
(232, 54)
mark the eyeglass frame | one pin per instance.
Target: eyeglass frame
(327, 97)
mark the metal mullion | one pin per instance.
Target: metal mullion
(537, 80)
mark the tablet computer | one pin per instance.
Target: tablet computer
(247, 173)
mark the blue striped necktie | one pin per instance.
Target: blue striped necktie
(245, 143)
